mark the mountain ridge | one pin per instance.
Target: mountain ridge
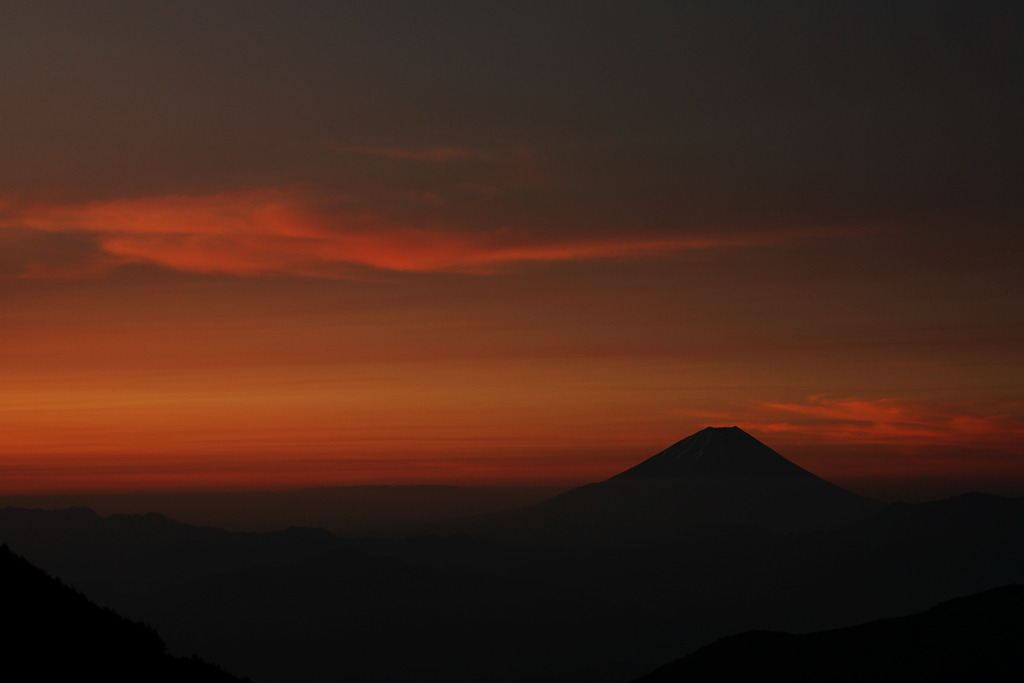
(54, 632)
(607, 614)
(974, 637)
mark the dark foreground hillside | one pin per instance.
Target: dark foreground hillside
(975, 638)
(56, 633)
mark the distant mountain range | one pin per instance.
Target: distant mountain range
(714, 536)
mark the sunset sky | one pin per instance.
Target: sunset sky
(256, 244)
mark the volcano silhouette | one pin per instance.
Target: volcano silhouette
(720, 475)
(720, 453)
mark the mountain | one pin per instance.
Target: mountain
(971, 638)
(462, 609)
(302, 606)
(107, 557)
(55, 633)
(711, 537)
(718, 475)
(717, 453)
(347, 615)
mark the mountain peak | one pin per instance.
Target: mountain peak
(716, 452)
(720, 475)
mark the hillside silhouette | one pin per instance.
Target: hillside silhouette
(55, 633)
(974, 638)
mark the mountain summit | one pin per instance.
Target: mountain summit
(720, 475)
(717, 452)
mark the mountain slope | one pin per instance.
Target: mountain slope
(55, 633)
(717, 452)
(347, 615)
(971, 638)
(718, 475)
(107, 557)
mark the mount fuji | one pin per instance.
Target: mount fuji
(719, 475)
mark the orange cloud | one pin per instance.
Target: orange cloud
(890, 422)
(275, 232)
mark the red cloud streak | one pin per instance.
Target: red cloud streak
(273, 232)
(891, 421)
